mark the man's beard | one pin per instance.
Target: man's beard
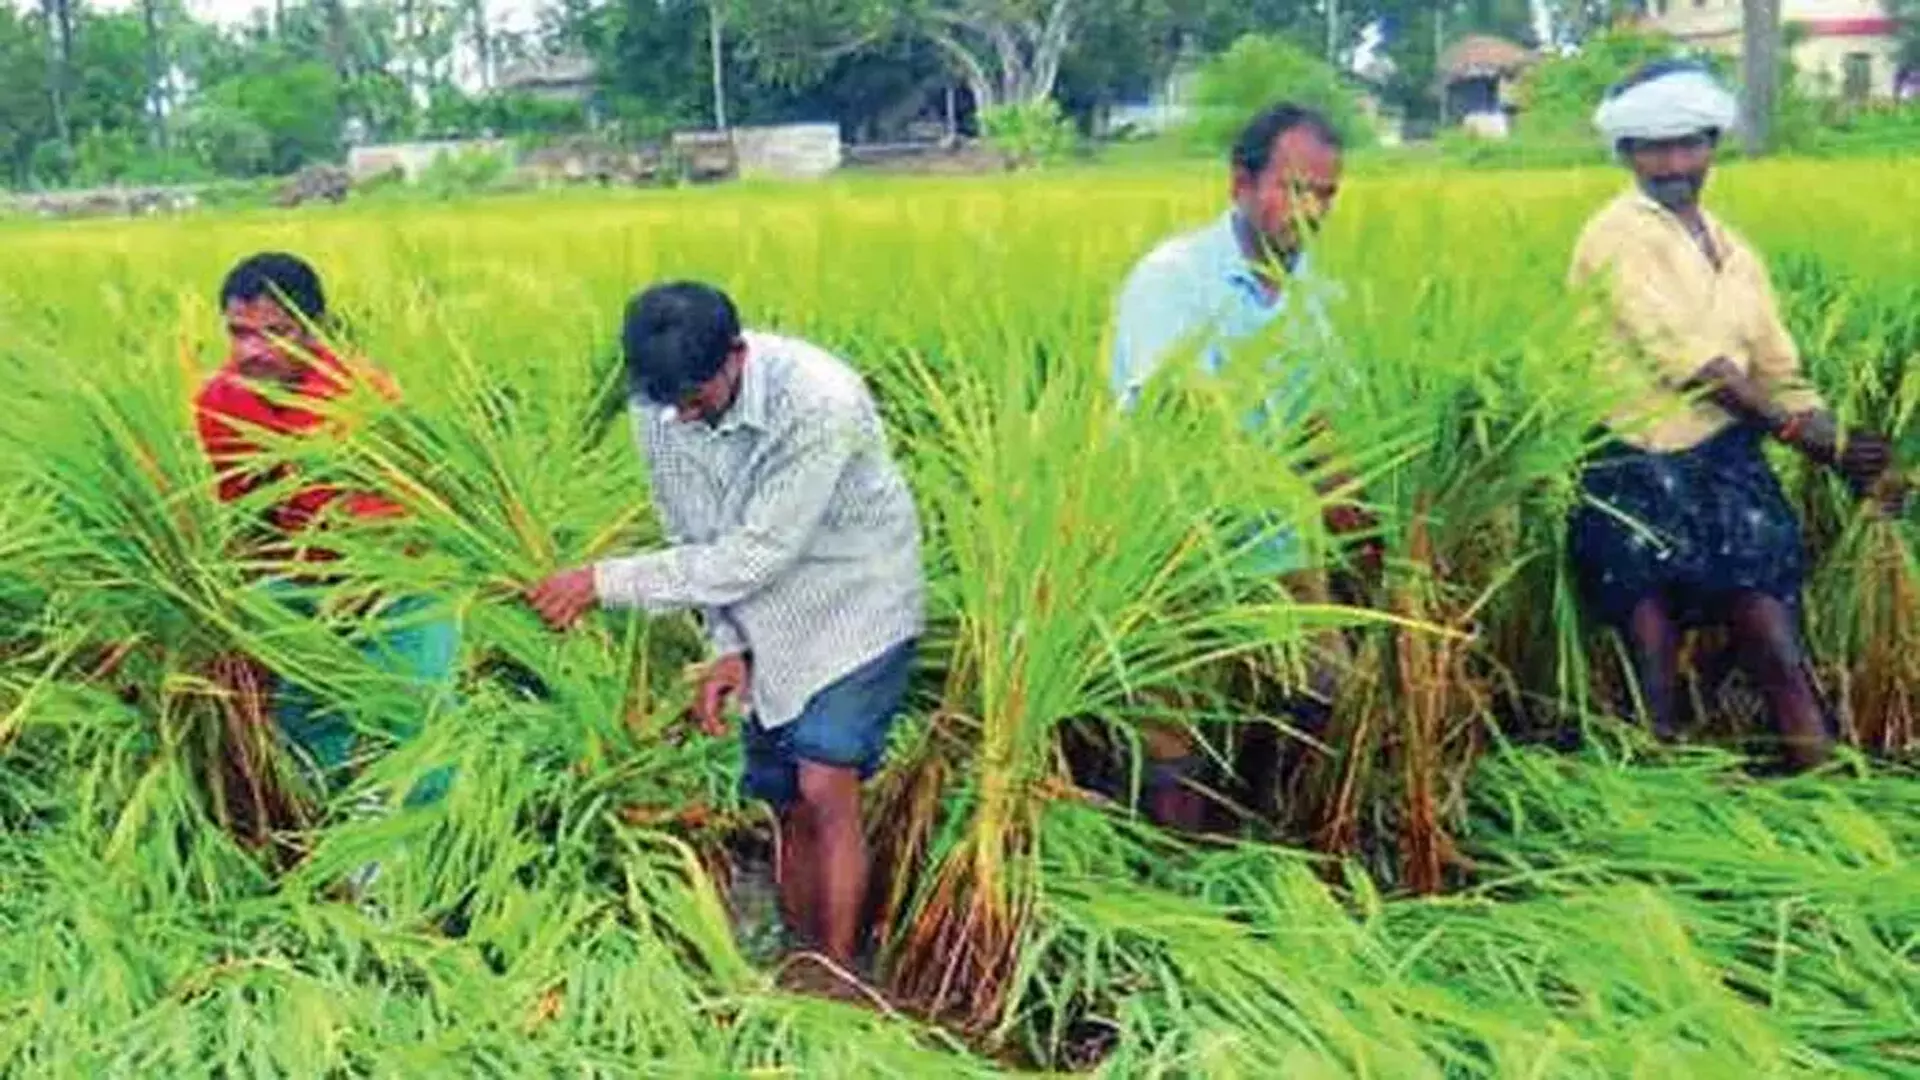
(1677, 192)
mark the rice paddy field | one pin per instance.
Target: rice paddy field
(1473, 871)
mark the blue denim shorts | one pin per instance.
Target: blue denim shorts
(845, 725)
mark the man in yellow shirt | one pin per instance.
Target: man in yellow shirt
(1683, 523)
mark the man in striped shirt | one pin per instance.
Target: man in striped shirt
(796, 538)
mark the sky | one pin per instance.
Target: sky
(521, 15)
(515, 14)
(509, 14)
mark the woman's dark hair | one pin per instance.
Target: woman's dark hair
(278, 276)
(677, 336)
(1253, 150)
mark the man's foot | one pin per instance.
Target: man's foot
(813, 975)
(754, 901)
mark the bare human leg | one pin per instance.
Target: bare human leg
(830, 798)
(1655, 639)
(1171, 804)
(1769, 647)
(799, 870)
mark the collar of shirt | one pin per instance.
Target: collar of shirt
(275, 405)
(749, 408)
(1645, 203)
(1222, 254)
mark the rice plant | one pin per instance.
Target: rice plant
(1431, 894)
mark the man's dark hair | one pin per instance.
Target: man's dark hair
(278, 276)
(677, 336)
(1253, 150)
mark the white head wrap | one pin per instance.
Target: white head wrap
(1673, 105)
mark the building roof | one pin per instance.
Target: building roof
(1479, 56)
(551, 71)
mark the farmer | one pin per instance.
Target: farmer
(1684, 524)
(1244, 276)
(280, 380)
(795, 537)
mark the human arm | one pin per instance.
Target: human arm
(1152, 318)
(727, 677)
(672, 507)
(1342, 514)
(804, 459)
(1774, 396)
(1813, 431)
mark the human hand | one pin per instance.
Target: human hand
(1861, 456)
(1865, 459)
(1347, 519)
(1889, 494)
(1344, 520)
(725, 678)
(564, 597)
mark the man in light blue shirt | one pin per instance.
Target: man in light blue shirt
(1244, 278)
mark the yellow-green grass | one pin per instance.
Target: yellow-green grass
(1606, 912)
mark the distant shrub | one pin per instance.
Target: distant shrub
(1029, 134)
(1259, 71)
(470, 173)
(1558, 96)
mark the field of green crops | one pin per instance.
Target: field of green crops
(1475, 872)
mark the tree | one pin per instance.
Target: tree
(227, 140)
(1214, 25)
(295, 104)
(1007, 51)
(1574, 22)
(156, 72)
(26, 114)
(1417, 31)
(1259, 70)
(1559, 95)
(110, 90)
(58, 24)
(1121, 50)
(1760, 66)
(1906, 16)
(653, 57)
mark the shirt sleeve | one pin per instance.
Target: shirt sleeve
(1776, 359)
(1650, 313)
(722, 632)
(805, 461)
(227, 449)
(1152, 317)
(367, 506)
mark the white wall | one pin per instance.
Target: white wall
(789, 151)
(1822, 62)
(1715, 24)
(412, 159)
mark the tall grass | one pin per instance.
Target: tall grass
(1607, 912)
